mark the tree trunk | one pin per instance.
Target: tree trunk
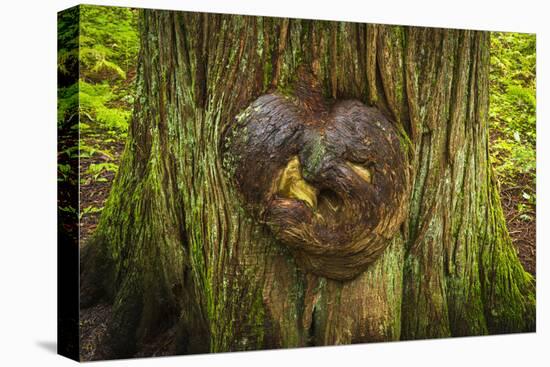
(176, 243)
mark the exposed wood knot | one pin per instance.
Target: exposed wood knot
(327, 177)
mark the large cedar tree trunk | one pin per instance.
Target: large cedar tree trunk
(175, 243)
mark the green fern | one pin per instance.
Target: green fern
(94, 104)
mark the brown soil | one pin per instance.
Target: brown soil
(95, 190)
(522, 231)
(93, 326)
(522, 226)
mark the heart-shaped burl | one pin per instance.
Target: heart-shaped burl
(328, 177)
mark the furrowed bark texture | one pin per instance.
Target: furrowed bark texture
(175, 243)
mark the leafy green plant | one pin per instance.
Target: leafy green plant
(85, 151)
(68, 27)
(108, 42)
(103, 43)
(95, 102)
(68, 209)
(96, 169)
(67, 105)
(89, 210)
(64, 171)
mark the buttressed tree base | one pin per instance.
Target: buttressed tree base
(288, 183)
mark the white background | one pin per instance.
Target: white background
(28, 182)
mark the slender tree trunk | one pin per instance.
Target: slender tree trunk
(175, 243)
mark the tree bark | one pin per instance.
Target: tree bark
(176, 244)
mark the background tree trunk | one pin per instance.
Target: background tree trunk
(174, 243)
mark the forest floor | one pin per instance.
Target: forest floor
(93, 326)
(96, 185)
(522, 232)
